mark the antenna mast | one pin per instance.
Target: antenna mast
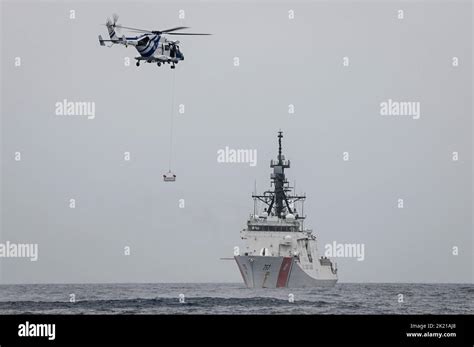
(277, 199)
(254, 199)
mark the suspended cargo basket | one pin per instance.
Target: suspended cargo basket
(169, 177)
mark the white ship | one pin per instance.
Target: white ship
(279, 251)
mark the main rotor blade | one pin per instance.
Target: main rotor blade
(134, 29)
(151, 31)
(186, 34)
(167, 31)
(140, 31)
(172, 29)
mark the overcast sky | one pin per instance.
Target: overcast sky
(282, 62)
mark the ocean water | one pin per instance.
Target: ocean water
(217, 298)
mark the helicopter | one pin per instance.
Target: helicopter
(152, 45)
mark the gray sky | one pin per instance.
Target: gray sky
(282, 62)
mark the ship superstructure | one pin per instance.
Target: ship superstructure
(279, 251)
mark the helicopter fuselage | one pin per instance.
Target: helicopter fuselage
(152, 46)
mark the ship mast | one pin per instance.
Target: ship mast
(278, 199)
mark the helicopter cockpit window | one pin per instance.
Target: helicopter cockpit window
(143, 41)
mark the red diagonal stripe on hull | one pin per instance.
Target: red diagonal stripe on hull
(284, 272)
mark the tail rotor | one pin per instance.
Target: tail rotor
(115, 18)
(111, 24)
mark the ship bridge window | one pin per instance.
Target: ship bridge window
(271, 228)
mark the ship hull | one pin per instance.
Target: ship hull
(280, 272)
